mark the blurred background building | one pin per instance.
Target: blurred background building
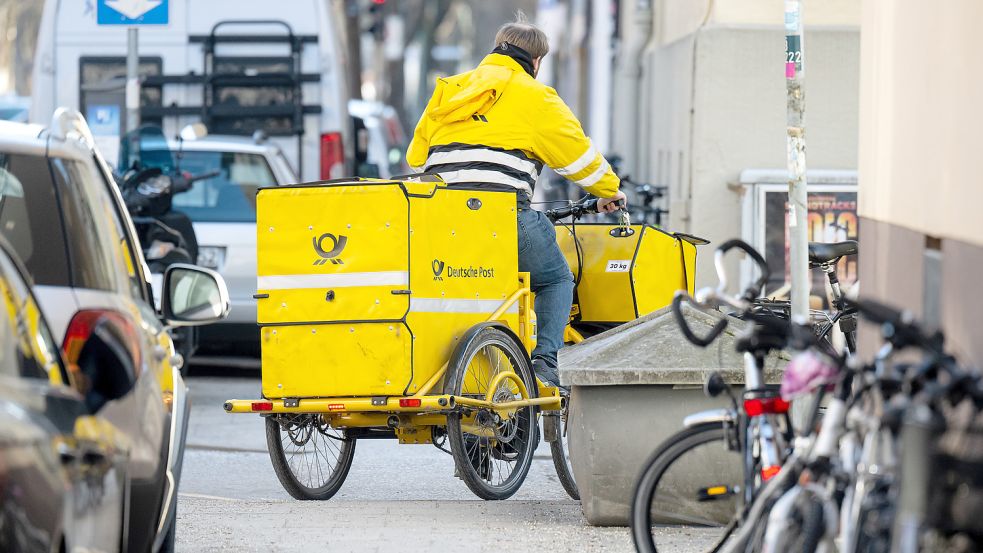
(690, 95)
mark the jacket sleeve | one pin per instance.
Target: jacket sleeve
(419, 148)
(561, 143)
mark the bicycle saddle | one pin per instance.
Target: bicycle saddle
(820, 252)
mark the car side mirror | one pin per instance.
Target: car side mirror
(193, 296)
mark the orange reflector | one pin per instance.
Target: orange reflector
(336, 407)
(717, 490)
(409, 402)
(262, 406)
(768, 473)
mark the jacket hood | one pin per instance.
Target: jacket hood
(478, 92)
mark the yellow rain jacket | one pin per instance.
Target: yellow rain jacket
(497, 124)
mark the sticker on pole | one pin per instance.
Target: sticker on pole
(132, 12)
(618, 266)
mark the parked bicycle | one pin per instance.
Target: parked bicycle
(895, 465)
(741, 448)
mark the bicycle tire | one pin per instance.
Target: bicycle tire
(558, 450)
(813, 527)
(653, 470)
(291, 481)
(475, 456)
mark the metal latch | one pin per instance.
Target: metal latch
(291, 402)
(379, 401)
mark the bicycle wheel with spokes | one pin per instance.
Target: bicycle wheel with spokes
(555, 429)
(688, 493)
(492, 450)
(310, 458)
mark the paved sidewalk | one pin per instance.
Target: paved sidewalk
(405, 526)
(396, 498)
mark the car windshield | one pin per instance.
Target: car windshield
(231, 195)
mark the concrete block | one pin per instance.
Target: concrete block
(631, 389)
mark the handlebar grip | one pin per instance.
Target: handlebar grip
(677, 313)
(875, 311)
(755, 290)
(558, 213)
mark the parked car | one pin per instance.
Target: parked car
(226, 64)
(63, 216)
(380, 143)
(15, 108)
(57, 460)
(222, 210)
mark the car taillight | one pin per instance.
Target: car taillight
(85, 322)
(765, 406)
(332, 156)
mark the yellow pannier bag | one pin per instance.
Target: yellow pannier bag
(624, 277)
(364, 287)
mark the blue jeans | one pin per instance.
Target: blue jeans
(552, 281)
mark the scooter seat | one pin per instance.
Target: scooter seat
(820, 252)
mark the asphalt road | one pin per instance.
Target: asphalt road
(396, 497)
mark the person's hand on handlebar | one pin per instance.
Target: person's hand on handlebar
(612, 204)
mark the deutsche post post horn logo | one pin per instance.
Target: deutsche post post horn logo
(337, 245)
(438, 268)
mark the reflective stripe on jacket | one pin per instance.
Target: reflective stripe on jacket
(498, 124)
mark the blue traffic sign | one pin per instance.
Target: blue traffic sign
(131, 12)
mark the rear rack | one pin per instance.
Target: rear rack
(223, 74)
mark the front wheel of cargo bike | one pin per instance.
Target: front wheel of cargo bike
(492, 453)
(310, 458)
(555, 425)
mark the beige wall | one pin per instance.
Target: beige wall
(921, 232)
(679, 18)
(714, 105)
(921, 117)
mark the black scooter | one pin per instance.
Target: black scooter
(166, 235)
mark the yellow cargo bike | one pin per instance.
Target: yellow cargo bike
(395, 309)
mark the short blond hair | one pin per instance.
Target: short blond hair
(525, 35)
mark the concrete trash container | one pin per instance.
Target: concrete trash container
(632, 386)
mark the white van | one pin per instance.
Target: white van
(236, 65)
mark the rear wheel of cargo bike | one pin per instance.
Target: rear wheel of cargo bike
(492, 451)
(555, 431)
(310, 458)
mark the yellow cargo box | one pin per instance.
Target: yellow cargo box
(365, 287)
(623, 277)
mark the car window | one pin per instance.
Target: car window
(92, 261)
(231, 195)
(29, 218)
(121, 238)
(26, 346)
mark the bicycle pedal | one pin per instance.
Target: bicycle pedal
(714, 493)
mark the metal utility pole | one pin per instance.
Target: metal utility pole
(798, 213)
(132, 80)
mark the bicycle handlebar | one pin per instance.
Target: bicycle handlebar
(577, 209)
(755, 289)
(677, 312)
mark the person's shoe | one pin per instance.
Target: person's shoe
(548, 374)
(545, 372)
